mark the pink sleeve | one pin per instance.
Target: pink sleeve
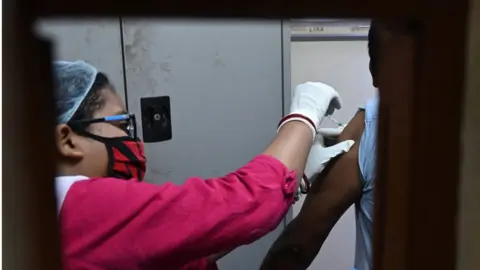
(112, 221)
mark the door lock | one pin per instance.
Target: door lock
(156, 120)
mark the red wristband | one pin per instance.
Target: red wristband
(297, 115)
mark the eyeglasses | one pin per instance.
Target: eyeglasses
(126, 122)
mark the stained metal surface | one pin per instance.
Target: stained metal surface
(95, 41)
(225, 81)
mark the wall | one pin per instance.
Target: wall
(468, 247)
(343, 65)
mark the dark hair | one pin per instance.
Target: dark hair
(94, 99)
(373, 48)
(404, 27)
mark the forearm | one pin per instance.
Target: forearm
(291, 146)
(294, 250)
(337, 188)
(228, 211)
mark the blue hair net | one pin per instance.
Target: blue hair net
(72, 81)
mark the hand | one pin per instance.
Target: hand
(311, 101)
(331, 133)
(319, 155)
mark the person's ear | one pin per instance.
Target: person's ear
(68, 143)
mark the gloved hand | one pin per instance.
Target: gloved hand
(311, 101)
(319, 155)
(331, 132)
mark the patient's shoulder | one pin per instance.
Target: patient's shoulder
(354, 129)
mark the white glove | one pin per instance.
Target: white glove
(319, 155)
(311, 101)
(331, 132)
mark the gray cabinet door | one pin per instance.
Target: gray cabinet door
(95, 41)
(225, 81)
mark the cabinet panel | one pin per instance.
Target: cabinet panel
(95, 41)
(225, 82)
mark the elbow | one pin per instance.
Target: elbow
(272, 189)
(259, 212)
(258, 195)
(264, 181)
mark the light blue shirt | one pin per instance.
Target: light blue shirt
(367, 155)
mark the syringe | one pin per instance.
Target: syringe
(335, 121)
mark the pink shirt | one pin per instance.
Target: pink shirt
(107, 223)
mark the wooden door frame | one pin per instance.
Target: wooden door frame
(415, 226)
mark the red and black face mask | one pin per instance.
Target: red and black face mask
(126, 156)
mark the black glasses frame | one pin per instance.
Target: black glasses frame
(132, 131)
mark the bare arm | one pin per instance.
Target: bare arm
(293, 141)
(337, 188)
(291, 146)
